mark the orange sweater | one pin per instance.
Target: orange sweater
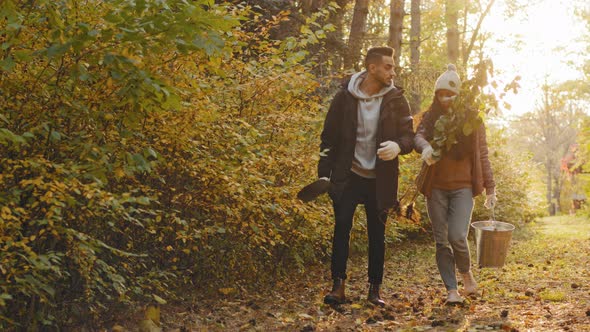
(481, 170)
(451, 174)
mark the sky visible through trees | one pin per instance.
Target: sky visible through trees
(542, 42)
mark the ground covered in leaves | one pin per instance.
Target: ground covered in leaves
(544, 286)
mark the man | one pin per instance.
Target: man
(367, 126)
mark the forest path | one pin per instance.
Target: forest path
(544, 286)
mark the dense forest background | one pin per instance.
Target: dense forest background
(152, 147)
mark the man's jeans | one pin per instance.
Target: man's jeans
(450, 213)
(359, 190)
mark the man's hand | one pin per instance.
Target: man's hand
(427, 155)
(491, 201)
(389, 150)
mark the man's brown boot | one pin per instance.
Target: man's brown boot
(374, 295)
(336, 296)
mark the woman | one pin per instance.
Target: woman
(450, 184)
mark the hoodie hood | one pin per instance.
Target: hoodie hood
(355, 83)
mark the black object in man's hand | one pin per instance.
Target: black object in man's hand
(313, 190)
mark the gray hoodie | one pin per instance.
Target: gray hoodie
(365, 151)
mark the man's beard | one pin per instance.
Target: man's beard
(386, 84)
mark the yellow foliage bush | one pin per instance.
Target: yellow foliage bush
(148, 147)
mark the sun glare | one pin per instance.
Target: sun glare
(538, 44)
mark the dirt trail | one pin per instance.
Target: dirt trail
(544, 286)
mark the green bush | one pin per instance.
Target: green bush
(518, 185)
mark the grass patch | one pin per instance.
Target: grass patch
(552, 295)
(565, 227)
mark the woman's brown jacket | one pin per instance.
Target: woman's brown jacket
(482, 176)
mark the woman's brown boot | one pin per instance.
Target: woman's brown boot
(336, 296)
(374, 295)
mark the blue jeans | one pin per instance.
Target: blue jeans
(450, 214)
(359, 190)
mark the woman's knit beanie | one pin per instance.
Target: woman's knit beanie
(449, 80)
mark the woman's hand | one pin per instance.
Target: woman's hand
(491, 201)
(427, 155)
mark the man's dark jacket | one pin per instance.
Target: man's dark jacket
(338, 142)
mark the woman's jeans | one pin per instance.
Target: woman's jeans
(450, 213)
(359, 190)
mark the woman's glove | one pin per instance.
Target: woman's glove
(389, 150)
(491, 201)
(427, 155)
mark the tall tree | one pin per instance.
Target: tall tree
(451, 18)
(548, 132)
(358, 29)
(468, 48)
(311, 6)
(396, 19)
(335, 45)
(415, 51)
(460, 44)
(584, 92)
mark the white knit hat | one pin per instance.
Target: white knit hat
(449, 80)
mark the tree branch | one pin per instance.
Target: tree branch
(476, 32)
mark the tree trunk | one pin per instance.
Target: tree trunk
(452, 16)
(415, 100)
(467, 51)
(549, 188)
(557, 193)
(309, 7)
(396, 20)
(358, 30)
(335, 39)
